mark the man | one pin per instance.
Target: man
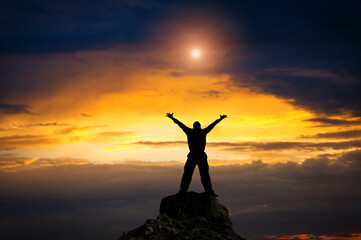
(196, 137)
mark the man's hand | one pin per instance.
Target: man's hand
(170, 115)
(222, 116)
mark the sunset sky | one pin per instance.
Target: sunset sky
(84, 91)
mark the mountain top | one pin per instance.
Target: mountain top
(186, 217)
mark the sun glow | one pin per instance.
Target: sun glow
(196, 53)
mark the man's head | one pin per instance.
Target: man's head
(196, 125)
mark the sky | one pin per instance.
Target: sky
(86, 149)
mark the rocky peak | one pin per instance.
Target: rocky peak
(186, 217)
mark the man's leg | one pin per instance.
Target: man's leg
(204, 172)
(187, 175)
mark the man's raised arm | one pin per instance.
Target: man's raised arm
(211, 126)
(180, 124)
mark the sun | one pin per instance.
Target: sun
(196, 53)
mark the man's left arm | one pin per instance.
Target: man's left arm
(212, 125)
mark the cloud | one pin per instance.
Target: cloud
(12, 164)
(114, 134)
(36, 28)
(47, 124)
(26, 141)
(161, 143)
(317, 94)
(7, 148)
(337, 135)
(103, 137)
(271, 146)
(86, 115)
(12, 142)
(73, 129)
(319, 196)
(176, 74)
(207, 94)
(325, 122)
(354, 236)
(264, 146)
(294, 52)
(15, 108)
(61, 133)
(304, 72)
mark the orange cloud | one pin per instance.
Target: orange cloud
(354, 236)
(12, 164)
(26, 141)
(115, 134)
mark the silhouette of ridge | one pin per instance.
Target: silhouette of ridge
(189, 216)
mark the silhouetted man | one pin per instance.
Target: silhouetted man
(197, 143)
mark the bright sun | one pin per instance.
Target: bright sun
(196, 53)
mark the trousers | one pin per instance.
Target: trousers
(193, 159)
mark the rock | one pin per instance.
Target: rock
(187, 217)
(196, 206)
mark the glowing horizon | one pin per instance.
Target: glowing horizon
(111, 124)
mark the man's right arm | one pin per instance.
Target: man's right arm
(179, 123)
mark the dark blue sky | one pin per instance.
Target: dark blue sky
(304, 51)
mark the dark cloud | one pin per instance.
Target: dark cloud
(14, 108)
(176, 74)
(319, 95)
(266, 146)
(47, 124)
(342, 134)
(161, 143)
(86, 115)
(315, 237)
(319, 196)
(37, 27)
(40, 44)
(325, 122)
(274, 146)
(290, 45)
(29, 78)
(207, 94)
